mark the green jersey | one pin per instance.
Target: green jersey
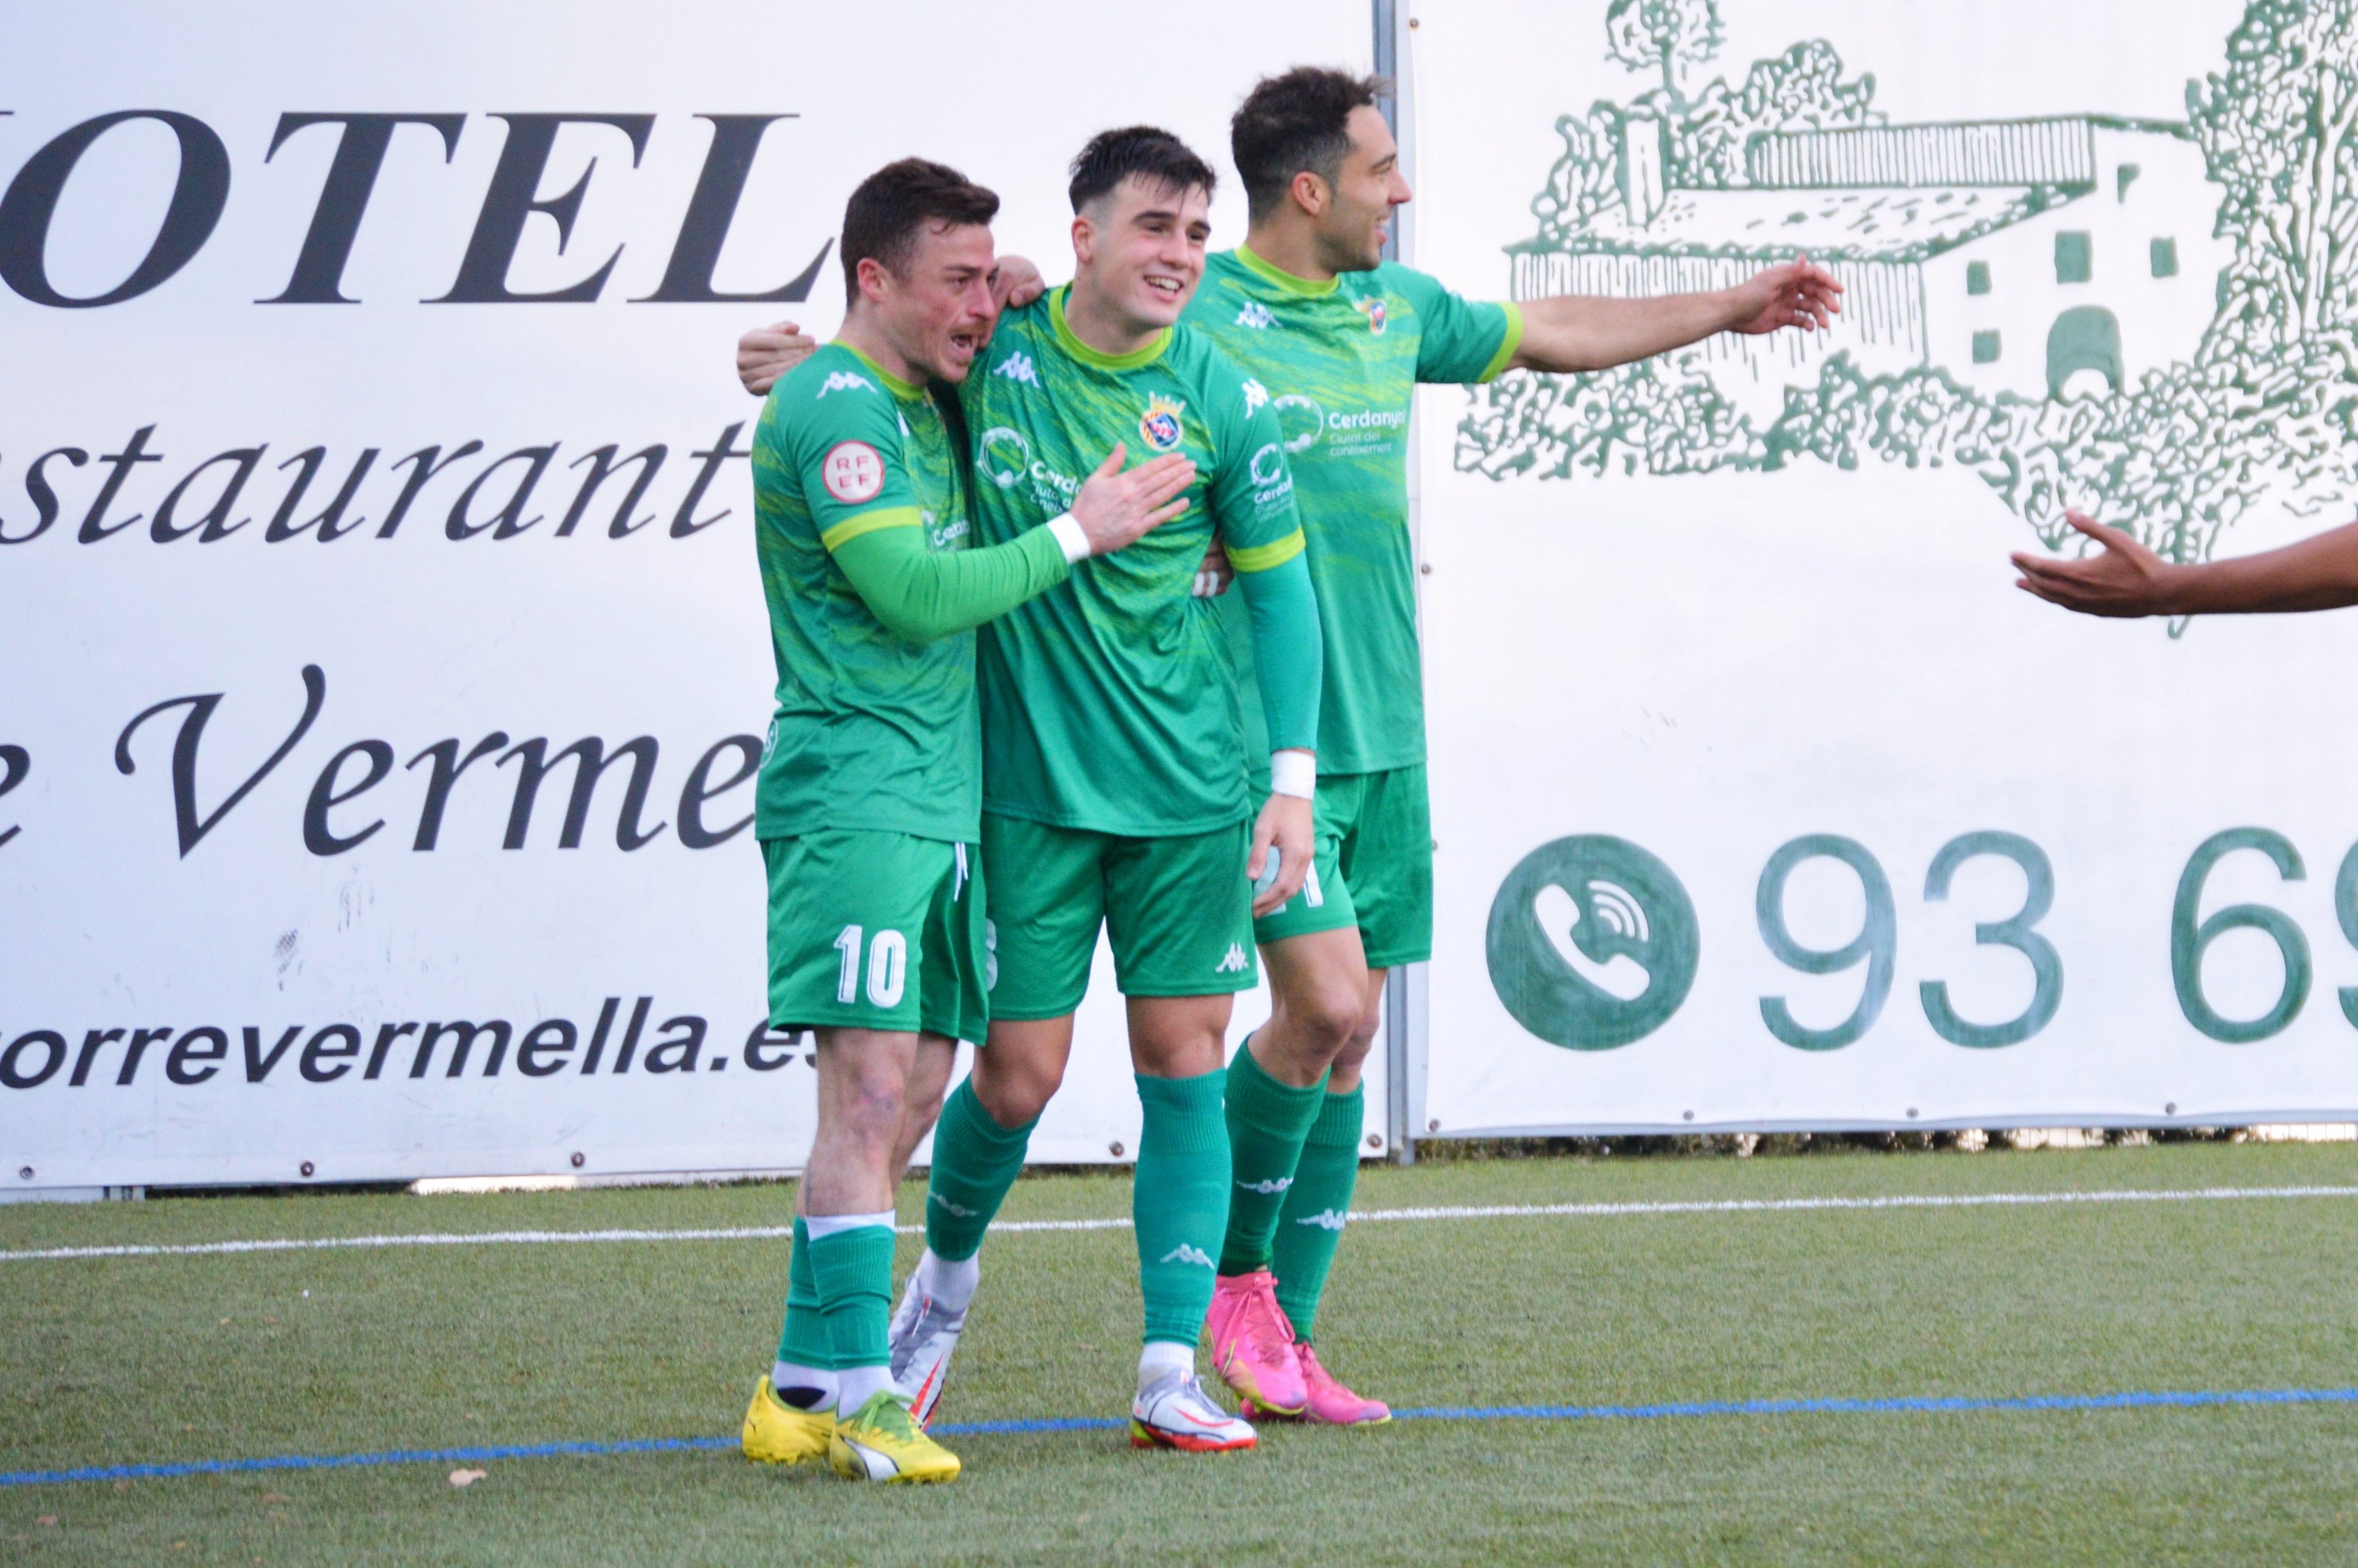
(872, 732)
(1341, 360)
(1110, 703)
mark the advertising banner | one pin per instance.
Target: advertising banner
(385, 661)
(1763, 799)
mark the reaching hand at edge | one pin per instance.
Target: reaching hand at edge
(2123, 578)
(1798, 293)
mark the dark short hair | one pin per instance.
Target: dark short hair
(891, 207)
(1294, 121)
(1152, 154)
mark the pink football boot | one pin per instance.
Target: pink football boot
(1252, 1344)
(1330, 1402)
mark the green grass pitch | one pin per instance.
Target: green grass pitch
(159, 1359)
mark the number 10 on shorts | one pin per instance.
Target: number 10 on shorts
(888, 963)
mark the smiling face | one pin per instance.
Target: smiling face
(1357, 216)
(1139, 250)
(935, 308)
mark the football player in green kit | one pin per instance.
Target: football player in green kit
(1117, 793)
(1341, 338)
(870, 783)
(1338, 339)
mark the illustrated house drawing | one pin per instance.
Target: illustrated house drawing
(2038, 258)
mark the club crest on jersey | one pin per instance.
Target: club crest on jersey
(1159, 427)
(1373, 309)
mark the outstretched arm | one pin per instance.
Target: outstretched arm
(1583, 333)
(2124, 578)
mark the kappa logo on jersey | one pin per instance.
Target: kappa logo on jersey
(1373, 309)
(1256, 316)
(852, 473)
(1233, 963)
(1018, 366)
(845, 381)
(1159, 426)
(1325, 1219)
(1183, 1253)
(1256, 396)
(1270, 1188)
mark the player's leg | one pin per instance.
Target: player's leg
(1276, 1084)
(1179, 913)
(848, 912)
(1388, 862)
(1044, 913)
(862, 1083)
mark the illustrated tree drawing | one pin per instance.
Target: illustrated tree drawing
(2257, 407)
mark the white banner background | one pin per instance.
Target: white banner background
(1712, 666)
(420, 638)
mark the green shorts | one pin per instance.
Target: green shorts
(871, 930)
(1179, 912)
(1373, 868)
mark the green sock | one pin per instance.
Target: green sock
(975, 1162)
(1179, 1201)
(804, 1342)
(853, 1269)
(1312, 1224)
(1267, 1122)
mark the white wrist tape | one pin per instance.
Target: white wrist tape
(1069, 534)
(1294, 773)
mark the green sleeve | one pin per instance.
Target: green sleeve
(1458, 340)
(921, 594)
(1289, 654)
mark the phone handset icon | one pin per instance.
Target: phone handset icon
(1621, 976)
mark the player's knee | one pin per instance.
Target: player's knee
(1015, 1092)
(1323, 1021)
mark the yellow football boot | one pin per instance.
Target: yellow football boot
(884, 1443)
(777, 1433)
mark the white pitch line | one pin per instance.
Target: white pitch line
(1497, 1211)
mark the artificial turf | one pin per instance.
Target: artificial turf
(133, 1360)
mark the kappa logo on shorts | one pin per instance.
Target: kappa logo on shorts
(852, 472)
(1183, 1253)
(1270, 1188)
(1159, 426)
(1233, 962)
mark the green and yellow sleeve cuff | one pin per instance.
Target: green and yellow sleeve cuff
(1262, 557)
(869, 521)
(1508, 344)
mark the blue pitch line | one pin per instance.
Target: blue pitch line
(1904, 1406)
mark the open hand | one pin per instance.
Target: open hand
(1115, 508)
(1791, 294)
(2123, 578)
